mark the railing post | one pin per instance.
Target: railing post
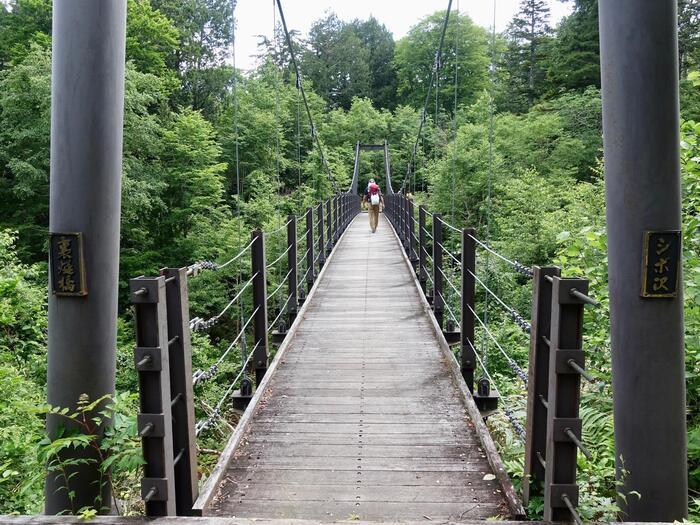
(565, 347)
(321, 244)
(402, 227)
(336, 219)
(259, 305)
(329, 227)
(342, 213)
(389, 203)
(293, 278)
(438, 303)
(411, 236)
(422, 275)
(181, 390)
(310, 271)
(467, 307)
(155, 418)
(538, 381)
(407, 225)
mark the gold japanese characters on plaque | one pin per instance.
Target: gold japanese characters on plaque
(67, 264)
(662, 259)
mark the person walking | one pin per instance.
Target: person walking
(375, 200)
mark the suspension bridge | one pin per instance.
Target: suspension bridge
(357, 361)
(365, 410)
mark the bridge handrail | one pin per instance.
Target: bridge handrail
(169, 443)
(557, 307)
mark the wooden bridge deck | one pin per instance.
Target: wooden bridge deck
(361, 416)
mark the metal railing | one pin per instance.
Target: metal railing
(552, 433)
(163, 356)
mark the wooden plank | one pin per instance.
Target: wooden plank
(358, 464)
(332, 438)
(380, 511)
(462, 480)
(366, 492)
(325, 450)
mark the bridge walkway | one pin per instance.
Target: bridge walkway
(361, 415)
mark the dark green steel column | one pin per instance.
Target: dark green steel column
(87, 111)
(639, 68)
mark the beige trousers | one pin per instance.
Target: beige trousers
(373, 216)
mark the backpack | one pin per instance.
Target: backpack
(374, 194)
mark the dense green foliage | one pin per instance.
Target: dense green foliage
(536, 193)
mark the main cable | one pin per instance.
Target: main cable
(433, 76)
(314, 134)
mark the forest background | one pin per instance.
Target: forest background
(537, 196)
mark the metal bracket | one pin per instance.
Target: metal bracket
(161, 489)
(560, 424)
(148, 359)
(157, 422)
(566, 286)
(144, 290)
(557, 490)
(562, 360)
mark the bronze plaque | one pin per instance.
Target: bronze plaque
(67, 264)
(662, 260)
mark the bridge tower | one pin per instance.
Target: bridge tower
(87, 111)
(639, 69)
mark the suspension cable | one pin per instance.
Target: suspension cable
(314, 133)
(239, 220)
(455, 118)
(433, 76)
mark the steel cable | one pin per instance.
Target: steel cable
(278, 259)
(199, 325)
(517, 426)
(314, 135)
(520, 268)
(204, 424)
(519, 320)
(433, 77)
(279, 286)
(446, 304)
(511, 363)
(279, 315)
(276, 231)
(201, 375)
